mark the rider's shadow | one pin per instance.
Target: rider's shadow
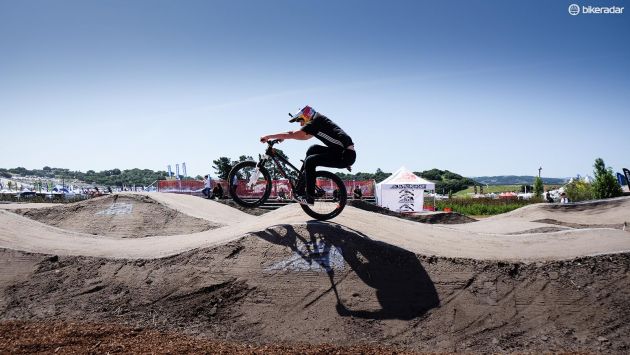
(402, 287)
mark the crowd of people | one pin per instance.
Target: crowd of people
(210, 192)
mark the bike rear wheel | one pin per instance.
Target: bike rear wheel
(328, 204)
(250, 186)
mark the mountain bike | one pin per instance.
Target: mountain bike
(250, 184)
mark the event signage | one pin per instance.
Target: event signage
(621, 179)
(409, 186)
(406, 200)
(403, 191)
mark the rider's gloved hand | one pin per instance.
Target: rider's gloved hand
(263, 139)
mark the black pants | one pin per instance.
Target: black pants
(318, 155)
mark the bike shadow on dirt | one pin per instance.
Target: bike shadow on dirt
(402, 286)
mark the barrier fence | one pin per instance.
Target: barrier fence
(180, 186)
(278, 188)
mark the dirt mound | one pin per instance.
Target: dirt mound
(86, 338)
(122, 216)
(598, 212)
(433, 218)
(255, 211)
(599, 205)
(621, 226)
(459, 240)
(320, 283)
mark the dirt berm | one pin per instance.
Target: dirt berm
(321, 284)
(367, 282)
(123, 216)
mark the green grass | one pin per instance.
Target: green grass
(482, 206)
(489, 189)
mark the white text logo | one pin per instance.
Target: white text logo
(575, 9)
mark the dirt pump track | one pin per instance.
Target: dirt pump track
(362, 280)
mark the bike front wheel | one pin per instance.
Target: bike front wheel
(330, 196)
(250, 185)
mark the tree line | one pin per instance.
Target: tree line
(603, 186)
(114, 177)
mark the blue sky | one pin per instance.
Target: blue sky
(475, 87)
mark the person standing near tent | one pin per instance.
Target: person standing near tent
(338, 153)
(207, 186)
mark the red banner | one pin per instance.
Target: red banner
(180, 185)
(279, 188)
(366, 186)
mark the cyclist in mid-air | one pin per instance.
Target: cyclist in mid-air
(338, 153)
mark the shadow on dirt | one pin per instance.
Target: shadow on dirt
(403, 288)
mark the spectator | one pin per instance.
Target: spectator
(336, 195)
(233, 184)
(564, 198)
(217, 192)
(358, 194)
(548, 197)
(207, 186)
(282, 194)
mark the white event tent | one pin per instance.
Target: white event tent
(403, 191)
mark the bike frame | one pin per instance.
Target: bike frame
(249, 173)
(270, 154)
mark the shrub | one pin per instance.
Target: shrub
(538, 187)
(579, 190)
(605, 185)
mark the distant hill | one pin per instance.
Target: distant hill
(517, 180)
(114, 177)
(445, 181)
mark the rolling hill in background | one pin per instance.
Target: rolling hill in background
(517, 180)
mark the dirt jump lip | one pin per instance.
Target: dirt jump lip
(473, 241)
(121, 216)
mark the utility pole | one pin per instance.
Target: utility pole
(539, 169)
